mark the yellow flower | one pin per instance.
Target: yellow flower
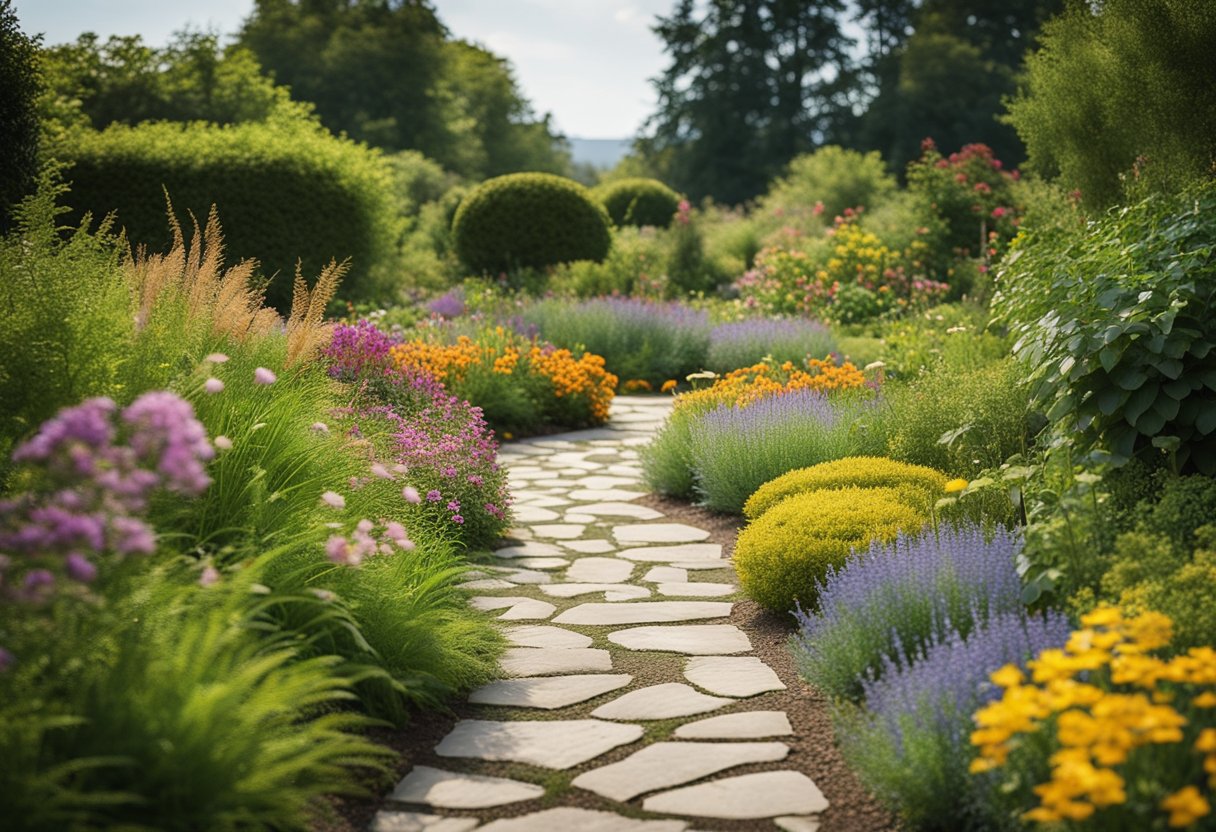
(1186, 806)
(956, 485)
(669, 385)
(1207, 699)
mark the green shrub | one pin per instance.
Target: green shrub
(957, 420)
(286, 195)
(688, 271)
(1183, 505)
(955, 336)
(635, 266)
(638, 202)
(850, 472)
(21, 85)
(785, 554)
(1119, 97)
(667, 460)
(834, 176)
(527, 220)
(418, 180)
(1115, 328)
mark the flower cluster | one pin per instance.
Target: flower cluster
(98, 478)
(750, 384)
(358, 351)
(366, 541)
(1102, 704)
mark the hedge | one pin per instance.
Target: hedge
(282, 192)
(638, 201)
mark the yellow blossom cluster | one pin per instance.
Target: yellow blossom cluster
(635, 385)
(570, 376)
(1098, 700)
(750, 384)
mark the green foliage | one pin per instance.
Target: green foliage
(165, 709)
(667, 460)
(1181, 507)
(1119, 98)
(418, 180)
(124, 81)
(849, 472)
(953, 419)
(783, 555)
(529, 220)
(954, 336)
(391, 75)
(1115, 329)
(20, 86)
(635, 266)
(67, 319)
(287, 195)
(1149, 572)
(638, 202)
(831, 179)
(687, 270)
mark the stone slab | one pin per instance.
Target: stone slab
(764, 794)
(659, 533)
(678, 554)
(533, 514)
(559, 531)
(527, 549)
(665, 575)
(520, 575)
(732, 675)
(589, 547)
(664, 701)
(450, 790)
(620, 510)
(583, 519)
(696, 589)
(389, 821)
(548, 692)
(570, 819)
(612, 592)
(542, 635)
(604, 482)
(518, 608)
(554, 744)
(643, 612)
(795, 823)
(543, 501)
(543, 661)
(599, 571)
(749, 725)
(666, 764)
(543, 563)
(487, 584)
(604, 494)
(690, 639)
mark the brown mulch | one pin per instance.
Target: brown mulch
(812, 749)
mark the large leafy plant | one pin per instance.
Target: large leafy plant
(1117, 326)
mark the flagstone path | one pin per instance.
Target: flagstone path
(625, 702)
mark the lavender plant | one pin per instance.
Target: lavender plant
(736, 449)
(910, 744)
(638, 339)
(883, 608)
(744, 343)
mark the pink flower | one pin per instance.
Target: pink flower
(998, 212)
(319, 427)
(263, 376)
(210, 575)
(222, 442)
(333, 499)
(456, 518)
(433, 495)
(380, 471)
(216, 358)
(213, 385)
(338, 549)
(410, 494)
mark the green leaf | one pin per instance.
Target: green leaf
(1110, 400)
(1170, 368)
(1178, 389)
(1129, 378)
(1167, 443)
(1205, 423)
(1139, 402)
(1109, 357)
(1150, 423)
(1166, 407)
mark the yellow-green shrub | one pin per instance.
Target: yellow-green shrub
(854, 471)
(784, 555)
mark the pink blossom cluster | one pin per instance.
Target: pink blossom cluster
(366, 540)
(98, 474)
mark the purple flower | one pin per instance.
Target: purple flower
(434, 496)
(448, 305)
(359, 351)
(449, 471)
(319, 427)
(209, 576)
(743, 343)
(80, 568)
(263, 376)
(216, 358)
(333, 499)
(163, 424)
(338, 550)
(410, 494)
(380, 471)
(130, 536)
(213, 385)
(454, 505)
(456, 518)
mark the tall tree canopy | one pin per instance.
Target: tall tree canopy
(20, 86)
(751, 84)
(386, 72)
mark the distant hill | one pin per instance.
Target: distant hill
(601, 153)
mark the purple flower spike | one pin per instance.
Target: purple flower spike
(79, 568)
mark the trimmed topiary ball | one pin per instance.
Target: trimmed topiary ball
(638, 201)
(529, 220)
(855, 471)
(785, 555)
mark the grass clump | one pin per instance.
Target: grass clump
(857, 471)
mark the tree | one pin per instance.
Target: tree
(751, 84)
(1120, 98)
(386, 72)
(20, 86)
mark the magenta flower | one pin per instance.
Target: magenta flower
(434, 496)
(456, 518)
(263, 376)
(333, 499)
(454, 505)
(213, 385)
(338, 549)
(410, 495)
(209, 576)
(380, 471)
(79, 568)
(319, 427)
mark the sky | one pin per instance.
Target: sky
(588, 62)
